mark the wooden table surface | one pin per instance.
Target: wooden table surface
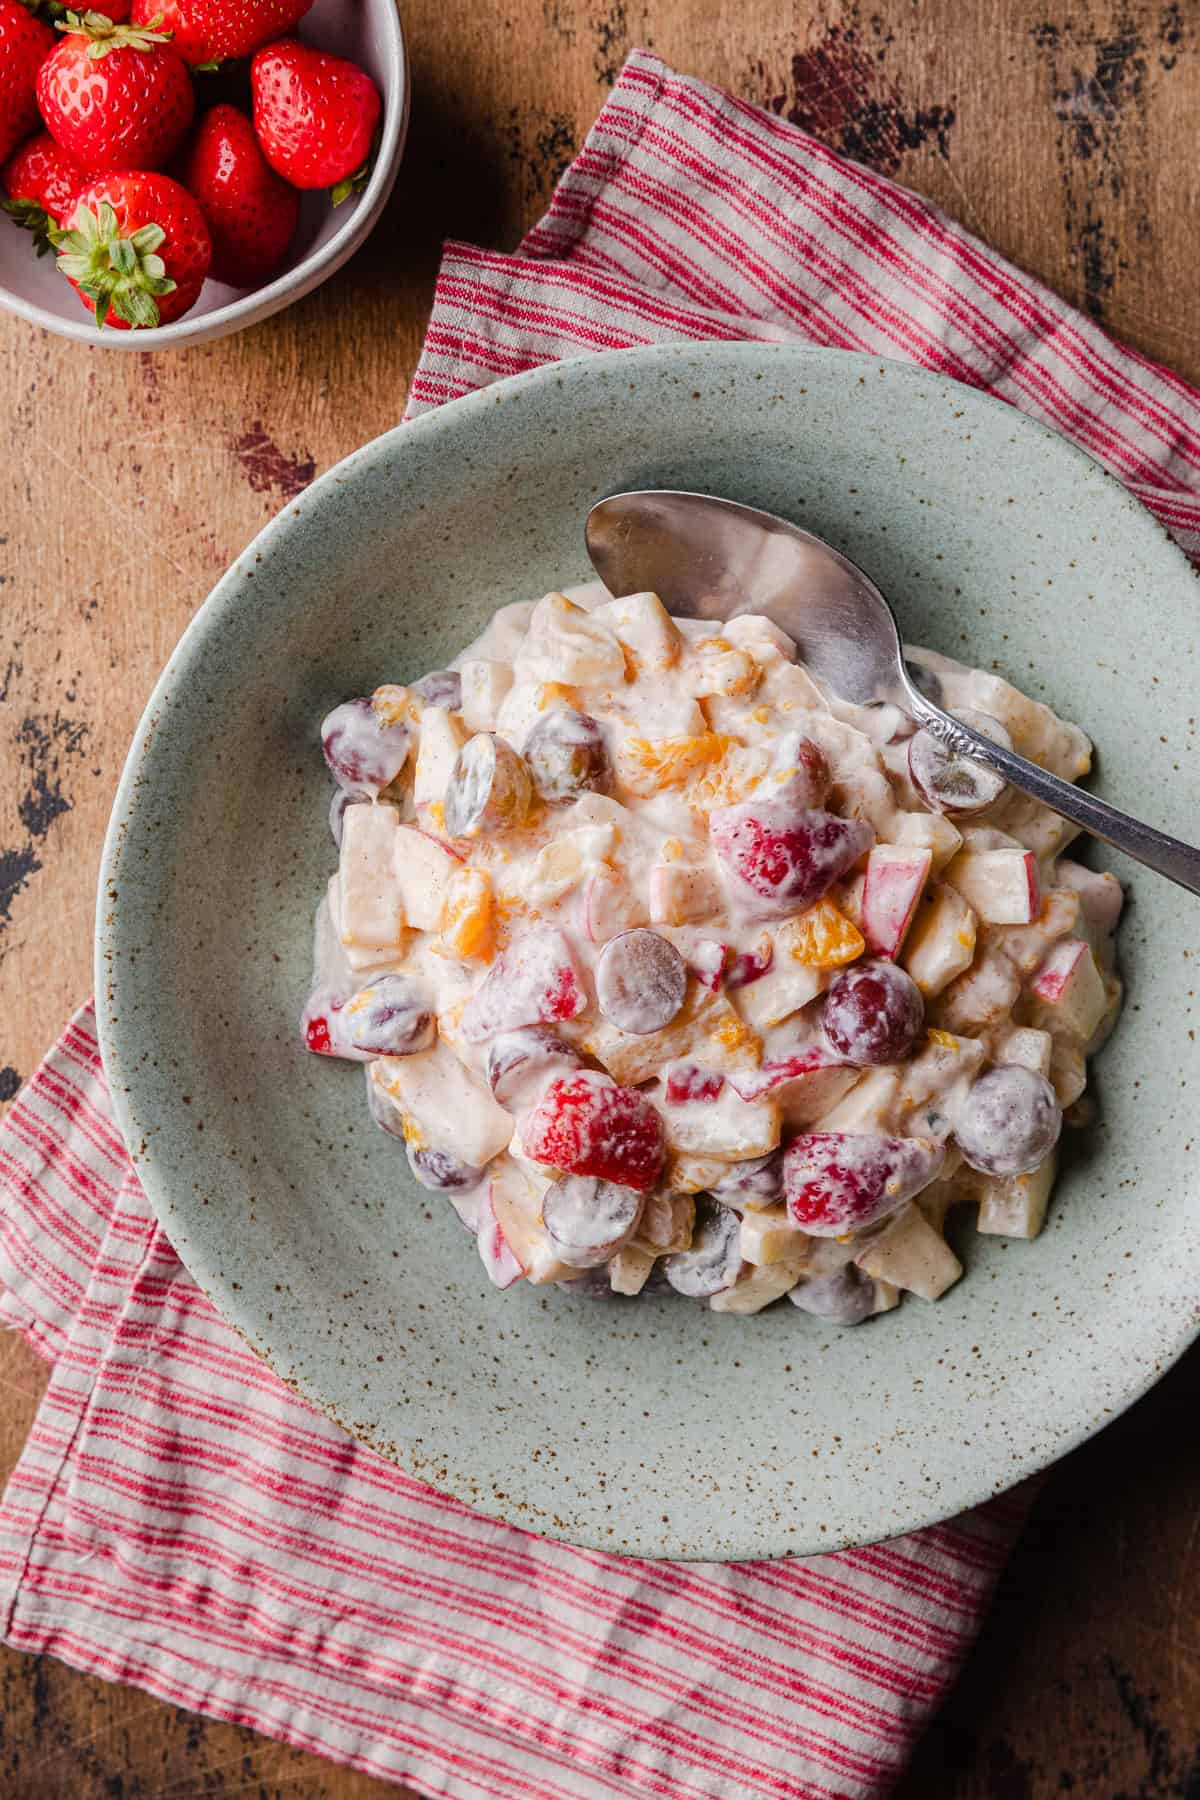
(1063, 132)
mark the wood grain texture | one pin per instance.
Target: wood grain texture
(1063, 132)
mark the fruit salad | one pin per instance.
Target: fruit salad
(675, 973)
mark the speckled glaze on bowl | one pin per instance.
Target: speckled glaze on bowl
(369, 33)
(658, 1427)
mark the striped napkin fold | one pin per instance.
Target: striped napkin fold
(178, 1518)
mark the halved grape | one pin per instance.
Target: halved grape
(489, 788)
(588, 1220)
(441, 1170)
(872, 1013)
(567, 755)
(1009, 1121)
(383, 1109)
(954, 784)
(760, 1179)
(844, 1298)
(641, 981)
(714, 1260)
(364, 752)
(441, 687)
(516, 1055)
(389, 1017)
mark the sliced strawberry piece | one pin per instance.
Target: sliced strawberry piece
(536, 981)
(777, 860)
(706, 961)
(838, 1182)
(587, 1125)
(746, 966)
(689, 1081)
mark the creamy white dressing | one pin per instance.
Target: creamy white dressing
(696, 718)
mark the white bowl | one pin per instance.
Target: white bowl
(368, 32)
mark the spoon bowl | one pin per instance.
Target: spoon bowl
(717, 559)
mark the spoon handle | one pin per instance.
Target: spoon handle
(1171, 857)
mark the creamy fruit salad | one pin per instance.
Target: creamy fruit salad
(674, 972)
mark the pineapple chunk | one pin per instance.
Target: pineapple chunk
(769, 1236)
(911, 1254)
(868, 1106)
(765, 641)
(681, 891)
(423, 869)
(782, 991)
(693, 1174)
(928, 831)
(758, 1287)
(629, 1270)
(1025, 1048)
(719, 667)
(643, 624)
(1015, 1205)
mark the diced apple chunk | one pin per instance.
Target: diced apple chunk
(941, 941)
(1101, 899)
(936, 1080)
(1015, 1205)
(370, 913)
(896, 879)
(911, 1254)
(445, 1105)
(682, 891)
(565, 643)
(727, 1129)
(629, 1270)
(770, 1236)
(1025, 1048)
(785, 988)
(517, 1205)
(642, 623)
(1068, 991)
(423, 869)
(495, 1252)
(441, 739)
(982, 997)
(759, 1287)
(611, 904)
(354, 956)
(804, 1086)
(484, 685)
(868, 1106)
(929, 831)
(1001, 885)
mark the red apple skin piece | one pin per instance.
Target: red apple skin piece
(689, 1081)
(1070, 982)
(967, 873)
(895, 881)
(494, 1249)
(803, 1086)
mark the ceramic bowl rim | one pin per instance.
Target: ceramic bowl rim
(234, 589)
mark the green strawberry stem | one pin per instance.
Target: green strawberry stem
(121, 275)
(106, 36)
(354, 184)
(31, 217)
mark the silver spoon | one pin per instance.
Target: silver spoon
(714, 559)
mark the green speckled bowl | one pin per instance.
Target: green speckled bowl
(657, 1427)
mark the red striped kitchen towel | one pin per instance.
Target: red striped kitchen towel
(178, 1519)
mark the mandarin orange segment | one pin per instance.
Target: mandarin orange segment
(468, 916)
(647, 766)
(822, 937)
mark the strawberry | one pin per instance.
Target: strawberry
(115, 96)
(315, 116)
(207, 32)
(587, 1125)
(251, 211)
(25, 44)
(41, 182)
(137, 249)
